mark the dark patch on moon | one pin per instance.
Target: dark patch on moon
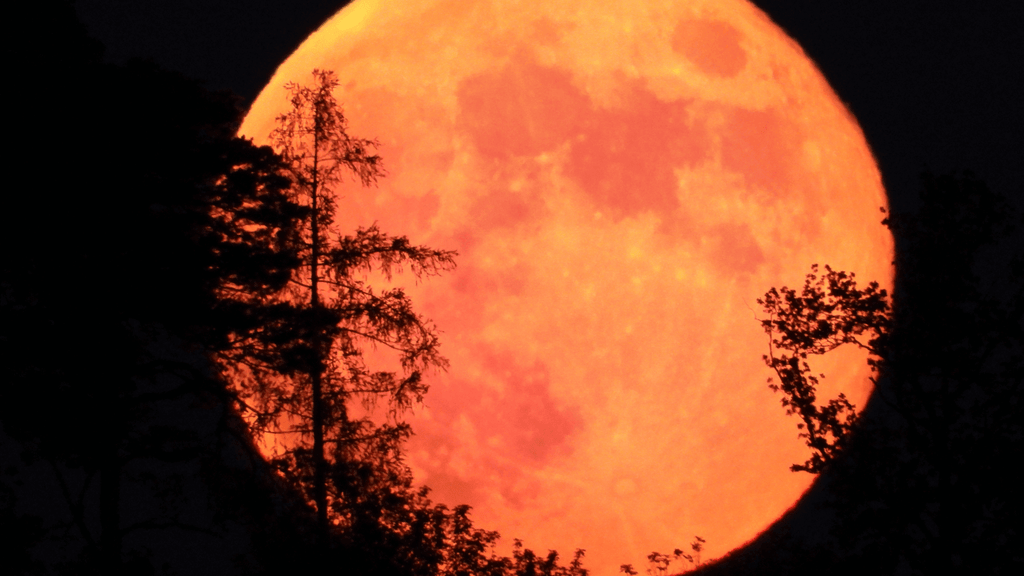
(623, 158)
(763, 146)
(524, 109)
(735, 250)
(522, 420)
(714, 47)
(520, 425)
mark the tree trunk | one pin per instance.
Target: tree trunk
(316, 375)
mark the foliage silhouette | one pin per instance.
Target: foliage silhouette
(829, 312)
(408, 534)
(303, 382)
(112, 280)
(931, 481)
(658, 563)
(926, 480)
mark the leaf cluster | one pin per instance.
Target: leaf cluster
(406, 533)
(829, 311)
(658, 563)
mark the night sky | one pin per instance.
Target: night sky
(935, 84)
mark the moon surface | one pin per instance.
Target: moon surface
(622, 180)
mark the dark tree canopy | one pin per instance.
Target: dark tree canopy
(138, 212)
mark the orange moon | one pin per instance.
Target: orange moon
(622, 180)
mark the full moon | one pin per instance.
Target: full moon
(622, 181)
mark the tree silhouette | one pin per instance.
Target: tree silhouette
(658, 564)
(303, 383)
(164, 239)
(829, 312)
(107, 312)
(926, 479)
(933, 479)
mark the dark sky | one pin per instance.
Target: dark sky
(934, 83)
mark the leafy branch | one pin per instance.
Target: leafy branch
(830, 311)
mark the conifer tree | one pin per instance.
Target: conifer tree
(303, 382)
